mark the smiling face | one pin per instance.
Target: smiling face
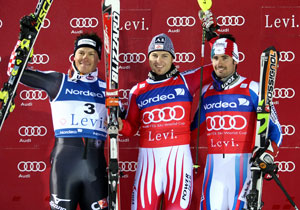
(223, 65)
(160, 62)
(86, 60)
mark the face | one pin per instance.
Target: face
(160, 62)
(223, 65)
(86, 60)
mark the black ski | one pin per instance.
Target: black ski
(23, 51)
(268, 68)
(111, 22)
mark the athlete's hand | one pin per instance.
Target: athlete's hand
(267, 156)
(27, 24)
(206, 19)
(208, 23)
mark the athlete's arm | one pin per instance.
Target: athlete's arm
(192, 78)
(132, 119)
(48, 81)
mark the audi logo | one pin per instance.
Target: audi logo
(32, 131)
(123, 94)
(132, 58)
(184, 57)
(241, 57)
(165, 114)
(128, 166)
(71, 58)
(31, 166)
(46, 23)
(283, 93)
(183, 21)
(226, 122)
(39, 59)
(287, 56)
(84, 22)
(285, 166)
(33, 95)
(1, 23)
(230, 20)
(288, 130)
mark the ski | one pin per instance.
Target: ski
(23, 53)
(111, 22)
(268, 69)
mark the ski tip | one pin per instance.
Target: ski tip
(273, 49)
(270, 48)
(205, 4)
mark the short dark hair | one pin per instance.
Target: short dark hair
(92, 36)
(227, 36)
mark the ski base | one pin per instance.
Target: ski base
(23, 53)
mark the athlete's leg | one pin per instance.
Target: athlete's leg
(214, 190)
(241, 183)
(147, 188)
(179, 180)
(64, 183)
(94, 179)
(226, 181)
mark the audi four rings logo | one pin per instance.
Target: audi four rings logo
(184, 57)
(226, 122)
(84, 22)
(231, 20)
(128, 166)
(285, 166)
(39, 59)
(46, 23)
(165, 114)
(32, 166)
(241, 57)
(32, 131)
(284, 93)
(288, 130)
(123, 94)
(132, 58)
(71, 58)
(183, 21)
(287, 56)
(33, 95)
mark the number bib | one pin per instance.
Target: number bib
(79, 110)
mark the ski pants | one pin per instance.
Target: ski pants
(227, 181)
(166, 174)
(78, 174)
